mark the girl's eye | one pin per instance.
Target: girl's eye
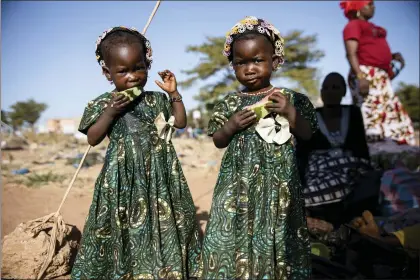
(121, 71)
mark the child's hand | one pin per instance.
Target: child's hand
(169, 84)
(117, 105)
(280, 105)
(241, 120)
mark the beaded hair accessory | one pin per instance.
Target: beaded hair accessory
(261, 26)
(99, 57)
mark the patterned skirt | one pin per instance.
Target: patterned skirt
(383, 114)
(331, 176)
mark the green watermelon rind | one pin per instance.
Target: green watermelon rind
(260, 110)
(131, 93)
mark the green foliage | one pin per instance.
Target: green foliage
(5, 117)
(410, 98)
(26, 112)
(214, 70)
(37, 180)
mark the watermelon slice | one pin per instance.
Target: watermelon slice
(259, 108)
(131, 93)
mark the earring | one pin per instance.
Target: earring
(358, 14)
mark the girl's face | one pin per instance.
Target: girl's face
(368, 11)
(333, 90)
(126, 66)
(253, 62)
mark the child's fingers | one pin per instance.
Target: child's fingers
(122, 100)
(249, 119)
(240, 113)
(247, 113)
(276, 97)
(160, 84)
(126, 103)
(272, 105)
(118, 97)
(165, 73)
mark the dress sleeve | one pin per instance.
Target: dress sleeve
(352, 31)
(164, 104)
(93, 111)
(304, 106)
(221, 114)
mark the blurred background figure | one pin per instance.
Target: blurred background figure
(370, 58)
(333, 161)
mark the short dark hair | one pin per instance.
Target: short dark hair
(119, 37)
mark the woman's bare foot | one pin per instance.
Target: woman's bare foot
(366, 225)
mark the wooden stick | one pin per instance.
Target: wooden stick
(151, 17)
(72, 180)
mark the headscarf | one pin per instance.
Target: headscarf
(352, 6)
(259, 25)
(133, 30)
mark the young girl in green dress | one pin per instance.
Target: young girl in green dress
(141, 224)
(257, 226)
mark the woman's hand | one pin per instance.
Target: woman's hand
(351, 80)
(363, 87)
(398, 57)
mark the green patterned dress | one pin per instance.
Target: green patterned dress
(257, 226)
(141, 224)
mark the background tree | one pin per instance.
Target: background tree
(410, 98)
(26, 112)
(5, 117)
(300, 55)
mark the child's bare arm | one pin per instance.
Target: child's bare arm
(97, 132)
(238, 122)
(169, 85)
(299, 126)
(178, 110)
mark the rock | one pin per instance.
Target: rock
(24, 253)
(13, 143)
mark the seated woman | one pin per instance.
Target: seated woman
(332, 162)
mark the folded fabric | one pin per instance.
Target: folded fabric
(270, 131)
(165, 128)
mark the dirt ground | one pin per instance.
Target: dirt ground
(20, 202)
(29, 196)
(39, 192)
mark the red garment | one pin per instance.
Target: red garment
(349, 6)
(373, 49)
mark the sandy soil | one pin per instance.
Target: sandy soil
(20, 203)
(23, 201)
